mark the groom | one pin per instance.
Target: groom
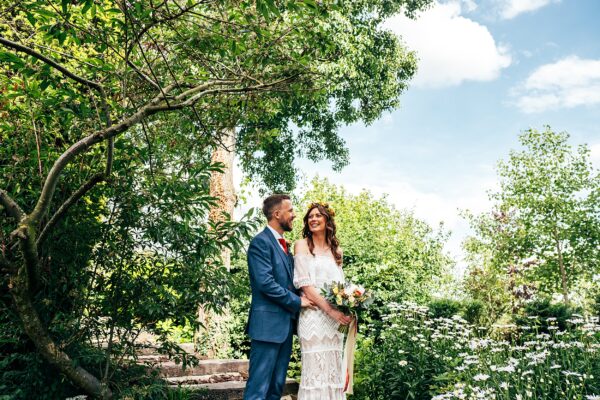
(275, 302)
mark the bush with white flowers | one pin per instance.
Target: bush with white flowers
(413, 356)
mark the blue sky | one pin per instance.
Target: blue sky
(488, 70)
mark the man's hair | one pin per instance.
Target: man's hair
(271, 203)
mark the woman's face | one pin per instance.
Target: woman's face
(316, 221)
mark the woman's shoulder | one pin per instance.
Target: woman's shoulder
(301, 247)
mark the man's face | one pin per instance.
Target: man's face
(285, 215)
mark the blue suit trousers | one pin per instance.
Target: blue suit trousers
(268, 369)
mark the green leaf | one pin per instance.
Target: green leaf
(312, 4)
(87, 6)
(11, 58)
(31, 19)
(45, 83)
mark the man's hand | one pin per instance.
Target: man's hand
(306, 303)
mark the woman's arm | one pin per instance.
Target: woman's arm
(313, 295)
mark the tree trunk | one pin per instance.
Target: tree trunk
(563, 271)
(221, 184)
(211, 337)
(21, 292)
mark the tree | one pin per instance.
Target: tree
(362, 70)
(124, 142)
(546, 226)
(389, 251)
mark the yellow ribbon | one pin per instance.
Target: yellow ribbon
(348, 360)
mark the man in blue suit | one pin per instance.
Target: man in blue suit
(275, 302)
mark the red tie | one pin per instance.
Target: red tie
(283, 244)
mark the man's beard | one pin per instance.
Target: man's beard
(286, 225)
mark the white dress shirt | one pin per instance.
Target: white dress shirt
(277, 236)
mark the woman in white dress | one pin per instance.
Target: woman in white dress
(317, 261)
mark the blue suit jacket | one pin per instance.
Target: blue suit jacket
(275, 302)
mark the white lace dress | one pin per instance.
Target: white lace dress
(320, 341)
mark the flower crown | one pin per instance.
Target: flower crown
(326, 206)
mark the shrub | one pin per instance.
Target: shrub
(472, 311)
(413, 356)
(444, 308)
(542, 314)
(595, 304)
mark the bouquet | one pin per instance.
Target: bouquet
(348, 297)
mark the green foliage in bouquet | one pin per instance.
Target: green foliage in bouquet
(347, 297)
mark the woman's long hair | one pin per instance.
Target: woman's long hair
(330, 230)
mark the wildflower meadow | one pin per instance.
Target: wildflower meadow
(421, 357)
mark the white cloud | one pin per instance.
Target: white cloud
(511, 8)
(451, 48)
(567, 83)
(469, 5)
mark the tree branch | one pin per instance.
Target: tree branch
(26, 236)
(62, 210)
(81, 146)
(11, 207)
(199, 91)
(52, 353)
(142, 75)
(150, 108)
(154, 23)
(49, 61)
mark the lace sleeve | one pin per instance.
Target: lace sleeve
(303, 274)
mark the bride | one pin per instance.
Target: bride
(318, 260)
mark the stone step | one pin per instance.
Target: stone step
(204, 379)
(233, 390)
(152, 358)
(149, 349)
(205, 367)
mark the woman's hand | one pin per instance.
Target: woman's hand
(340, 317)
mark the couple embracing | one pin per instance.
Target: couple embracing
(286, 299)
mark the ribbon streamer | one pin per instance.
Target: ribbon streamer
(348, 360)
